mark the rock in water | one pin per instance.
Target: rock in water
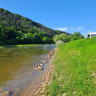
(38, 68)
(41, 64)
(44, 61)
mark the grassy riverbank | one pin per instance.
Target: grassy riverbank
(75, 69)
(1, 46)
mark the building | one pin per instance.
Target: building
(92, 34)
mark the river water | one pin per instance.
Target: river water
(16, 65)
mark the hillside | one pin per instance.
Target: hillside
(18, 29)
(74, 69)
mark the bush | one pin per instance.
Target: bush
(63, 37)
(47, 40)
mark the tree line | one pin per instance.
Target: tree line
(11, 35)
(16, 29)
(66, 38)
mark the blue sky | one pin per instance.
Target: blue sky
(66, 15)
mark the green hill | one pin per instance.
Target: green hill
(16, 29)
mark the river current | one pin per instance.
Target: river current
(16, 65)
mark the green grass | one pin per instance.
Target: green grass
(1, 46)
(75, 69)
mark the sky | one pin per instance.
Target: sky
(65, 15)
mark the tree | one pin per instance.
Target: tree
(27, 38)
(63, 37)
(47, 40)
(76, 36)
(56, 38)
(11, 31)
(37, 38)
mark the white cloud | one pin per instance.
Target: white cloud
(71, 28)
(62, 29)
(77, 28)
(80, 28)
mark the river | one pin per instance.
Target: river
(16, 65)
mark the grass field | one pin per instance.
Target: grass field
(1, 46)
(75, 69)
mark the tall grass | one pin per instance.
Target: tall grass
(75, 69)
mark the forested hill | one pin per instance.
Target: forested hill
(16, 29)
